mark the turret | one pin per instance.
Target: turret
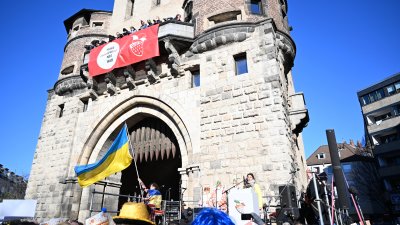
(206, 15)
(82, 28)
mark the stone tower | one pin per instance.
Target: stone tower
(217, 103)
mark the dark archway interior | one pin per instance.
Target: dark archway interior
(162, 170)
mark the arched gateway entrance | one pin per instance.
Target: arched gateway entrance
(157, 157)
(137, 111)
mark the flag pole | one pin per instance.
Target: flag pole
(134, 159)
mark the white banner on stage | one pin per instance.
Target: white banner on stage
(242, 201)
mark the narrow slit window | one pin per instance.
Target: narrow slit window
(60, 110)
(86, 57)
(85, 103)
(196, 78)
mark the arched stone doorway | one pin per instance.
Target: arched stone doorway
(131, 110)
(157, 157)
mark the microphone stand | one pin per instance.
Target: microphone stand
(227, 198)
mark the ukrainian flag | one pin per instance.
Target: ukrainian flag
(116, 159)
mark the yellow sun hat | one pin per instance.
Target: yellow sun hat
(134, 212)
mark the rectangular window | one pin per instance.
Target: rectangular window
(388, 138)
(383, 117)
(196, 78)
(321, 155)
(380, 94)
(97, 24)
(86, 57)
(390, 89)
(60, 110)
(372, 97)
(129, 9)
(256, 7)
(188, 12)
(396, 110)
(397, 86)
(241, 63)
(365, 100)
(85, 104)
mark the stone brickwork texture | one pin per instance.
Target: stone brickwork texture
(228, 126)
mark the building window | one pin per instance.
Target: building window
(396, 110)
(397, 86)
(373, 96)
(188, 12)
(225, 17)
(388, 138)
(321, 156)
(196, 78)
(68, 70)
(97, 24)
(256, 7)
(76, 28)
(391, 89)
(86, 57)
(85, 103)
(383, 117)
(129, 9)
(240, 63)
(60, 110)
(365, 100)
(157, 2)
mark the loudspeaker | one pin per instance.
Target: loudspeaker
(288, 196)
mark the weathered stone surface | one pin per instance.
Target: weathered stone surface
(228, 126)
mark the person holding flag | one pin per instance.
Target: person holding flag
(153, 195)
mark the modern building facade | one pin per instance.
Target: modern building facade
(380, 104)
(360, 172)
(320, 159)
(217, 103)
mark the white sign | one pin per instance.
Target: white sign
(242, 201)
(17, 208)
(108, 55)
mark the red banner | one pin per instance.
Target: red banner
(124, 51)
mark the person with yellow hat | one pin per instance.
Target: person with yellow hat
(134, 213)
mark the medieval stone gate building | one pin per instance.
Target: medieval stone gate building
(217, 103)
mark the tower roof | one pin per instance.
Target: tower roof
(83, 12)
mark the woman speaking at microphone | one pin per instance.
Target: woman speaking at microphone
(251, 183)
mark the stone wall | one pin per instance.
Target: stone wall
(229, 126)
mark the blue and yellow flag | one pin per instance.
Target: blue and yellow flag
(116, 159)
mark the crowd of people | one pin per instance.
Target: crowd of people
(214, 203)
(143, 25)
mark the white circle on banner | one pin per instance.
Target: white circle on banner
(108, 55)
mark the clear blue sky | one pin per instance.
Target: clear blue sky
(342, 47)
